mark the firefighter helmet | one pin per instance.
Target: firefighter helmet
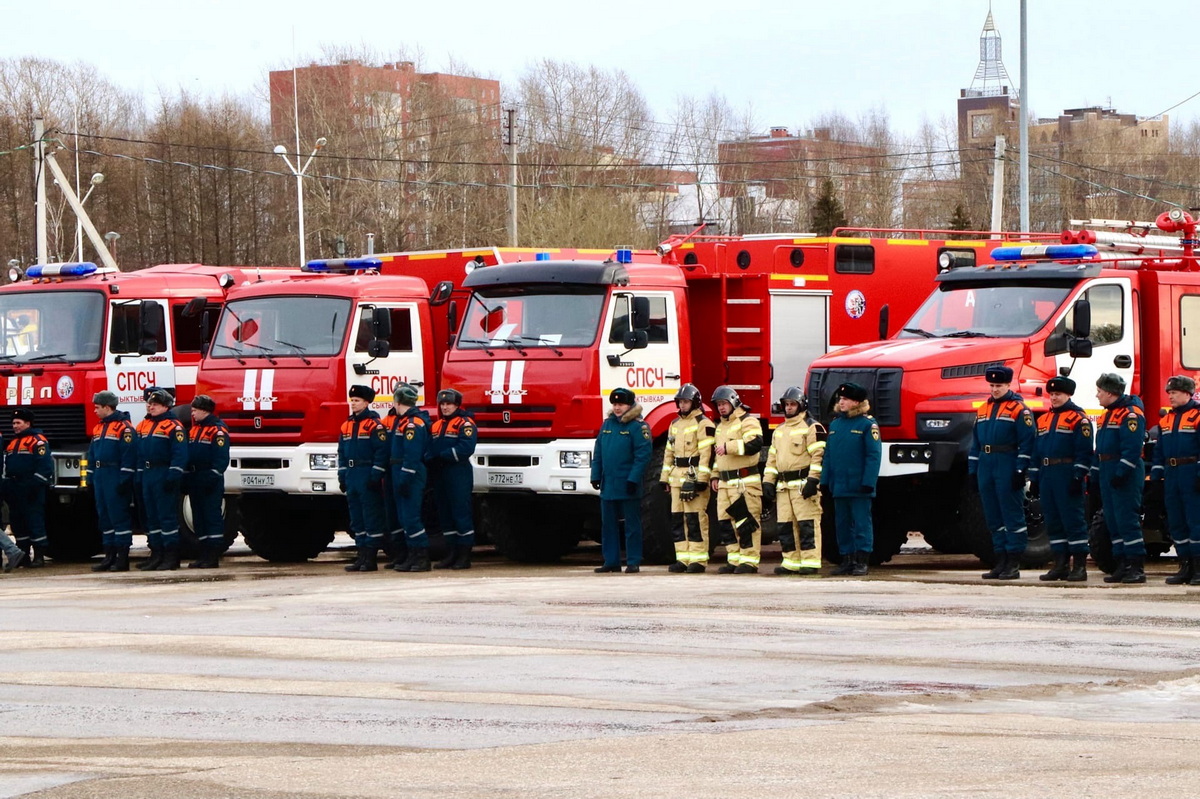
(623, 396)
(689, 393)
(793, 394)
(726, 394)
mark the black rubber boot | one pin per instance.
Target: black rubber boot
(1078, 573)
(170, 560)
(210, 558)
(406, 564)
(1012, 567)
(1136, 572)
(150, 565)
(356, 566)
(1059, 570)
(1118, 573)
(110, 554)
(697, 568)
(39, 558)
(678, 567)
(999, 567)
(728, 568)
(860, 568)
(784, 572)
(448, 561)
(1184, 575)
(845, 567)
(1195, 571)
(420, 560)
(464, 559)
(370, 560)
(120, 560)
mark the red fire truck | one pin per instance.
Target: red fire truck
(1117, 300)
(542, 344)
(70, 330)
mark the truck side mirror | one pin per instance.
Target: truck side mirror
(636, 339)
(381, 323)
(1081, 324)
(441, 293)
(884, 314)
(378, 348)
(452, 318)
(1079, 348)
(641, 314)
(151, 324)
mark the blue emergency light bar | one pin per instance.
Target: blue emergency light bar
(541, 256)
(80, 269)
(343, 265)
(1043, 252)
(624, 256)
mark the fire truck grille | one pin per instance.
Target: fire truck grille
(249, 423)
(968, 370)
(61, 424)
(526, 418)
(882, 385)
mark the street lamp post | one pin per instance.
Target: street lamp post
(96, 180)
(281, 151)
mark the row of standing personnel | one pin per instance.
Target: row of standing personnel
(1056, 455)
(723, 457)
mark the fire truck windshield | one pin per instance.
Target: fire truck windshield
(282, 327)
(49, 326)
(532, 317)
(992, 310)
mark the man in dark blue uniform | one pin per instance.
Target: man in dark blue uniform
(208, 458)
(28, 472)
(1062, 457)
(1120, 473)
(850, 471)
(409, 443)
(1177, 461)
(112, 466)
(362, 464)
(452, 440)
(619, 462)
(161, 458)
(1001, 452)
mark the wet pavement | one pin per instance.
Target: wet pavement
(268, 680)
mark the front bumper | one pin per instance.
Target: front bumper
(283, 470)
(532, 468)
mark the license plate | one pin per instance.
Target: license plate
(505, 478)
(258, 480)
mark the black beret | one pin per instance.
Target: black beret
(851, 391)
(24, 414)
(999, 374)
(1064, 385)
(363, 392)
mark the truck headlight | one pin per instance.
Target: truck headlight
(575, 460)
(322, 462)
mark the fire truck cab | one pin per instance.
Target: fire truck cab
(1123, 302)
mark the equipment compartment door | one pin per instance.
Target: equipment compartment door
(405, 362)
(799, 335)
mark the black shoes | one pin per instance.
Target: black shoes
(606, 569)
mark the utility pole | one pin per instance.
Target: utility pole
(39, 174)
(998, 188)
(511, 135)
(1023, 169)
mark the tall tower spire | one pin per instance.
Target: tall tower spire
(991, 78)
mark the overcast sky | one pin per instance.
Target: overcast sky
(788, 62)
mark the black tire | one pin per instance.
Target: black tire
(525, 532)
(889, 536)
(190, 542)
(945, 539)
(1101, 544)
(658, 545)
(973, 528)
(286, 529)
(72, 526)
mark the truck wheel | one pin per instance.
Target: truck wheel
(888, 536)
(973, 529)
(190, 542)
(525, 533)
(1037, 551)
(658, 546)
(1100, 544)
(286, 529)
(72, 526)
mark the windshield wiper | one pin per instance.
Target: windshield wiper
(299, 350)
(510, 342)
(482, 342)
(50, 356)
(966, 334)
(542, 340)
(919, 332)
(236, 352)
(265, 351)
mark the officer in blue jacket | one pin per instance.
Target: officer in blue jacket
(619, 461)
(112, 466)
(393, 540)
(28, 472)
(362, 465)
(1120, 472)
(452, 440)
(204, 482)
(1062, 458)
(850, 471)
(1001, 452)
(161, 459)
(1177, 461)
(410, 442)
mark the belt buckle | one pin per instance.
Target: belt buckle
(987, 449)
(1172, 462)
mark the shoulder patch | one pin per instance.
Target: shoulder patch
(1132, 424)
(380, 433)
(127, 436)
(410, 434)
(646, 432)
(1028, 418)
(179, 435)
(1087, 430)
(41, 449)
(875, 432)
(468, 430)
(222, 441)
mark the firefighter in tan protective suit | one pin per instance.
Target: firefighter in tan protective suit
(686, 470)
(737, 442)
(791, 480)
